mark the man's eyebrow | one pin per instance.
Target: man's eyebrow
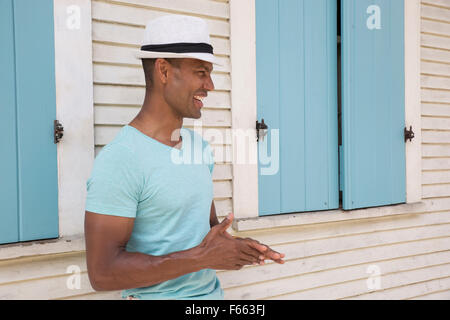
(206, 68)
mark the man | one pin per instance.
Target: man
(150, 225)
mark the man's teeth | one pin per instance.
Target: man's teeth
(198, 98)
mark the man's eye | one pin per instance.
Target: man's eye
(202, 72)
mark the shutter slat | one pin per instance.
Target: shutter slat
(9, 231)
(268, 95)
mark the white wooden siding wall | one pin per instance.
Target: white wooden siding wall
(119, 84)
(327, 260)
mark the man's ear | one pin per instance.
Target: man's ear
(162, 69)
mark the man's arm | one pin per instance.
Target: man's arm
(111, 267)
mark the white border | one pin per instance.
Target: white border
(244, 106)
(243, 102)
(74, 109)
(413, 111)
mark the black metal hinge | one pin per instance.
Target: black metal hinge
(409, 134)
(58, 130)
(261, 129)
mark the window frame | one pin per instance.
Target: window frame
(244, 111)
(75, 111)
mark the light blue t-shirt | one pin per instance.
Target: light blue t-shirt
(169, 193)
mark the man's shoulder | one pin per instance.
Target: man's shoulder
(116, 160)
(115, 151)
(120, 145)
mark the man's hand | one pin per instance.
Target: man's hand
(225, 252)
(266, 252)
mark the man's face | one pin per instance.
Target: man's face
(187, 86)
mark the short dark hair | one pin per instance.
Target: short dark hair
(149, 65)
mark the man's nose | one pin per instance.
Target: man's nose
(209, 84)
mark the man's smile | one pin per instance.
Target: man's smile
(198, 101)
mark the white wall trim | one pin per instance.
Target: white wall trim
(243, 101)
(42, 247)
(329, 216)
(412, 101)
(74, 109)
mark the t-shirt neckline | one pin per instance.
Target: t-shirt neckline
(159, 142)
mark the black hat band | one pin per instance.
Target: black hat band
(182, 47)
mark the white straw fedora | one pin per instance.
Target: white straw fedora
(177, 36)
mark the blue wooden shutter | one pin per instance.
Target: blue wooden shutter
(296, 58)
(28, 166)
(373, 104)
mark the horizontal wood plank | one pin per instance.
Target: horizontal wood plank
(439, 190)
(435, 68)
(430, 294)
(98, 295)
(223, 207)
(436, 164)
(435, 41)
(422, 282)
(435, 13)
(44, 288)
(30, 268)
(433, 177)
(435, 123)
(436, 110)
(438, 150)
(437, 27)
(439, 3)
(432, 136)
(435, 82)
(441, 96)
(435, 54)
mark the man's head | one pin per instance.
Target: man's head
(180, 82)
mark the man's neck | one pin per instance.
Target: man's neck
(158, 123)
